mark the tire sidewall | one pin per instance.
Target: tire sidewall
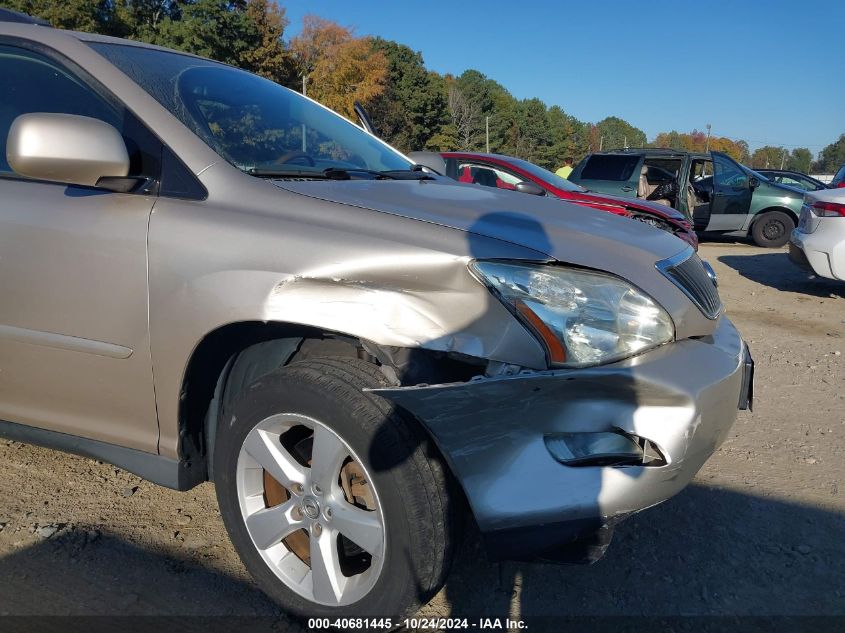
(283, 392)
(757, 229)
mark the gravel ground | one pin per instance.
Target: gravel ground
(760, 531)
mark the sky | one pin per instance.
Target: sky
(767, 71)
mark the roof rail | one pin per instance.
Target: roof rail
(648, 149)
(7, 15)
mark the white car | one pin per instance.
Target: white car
(818, 243)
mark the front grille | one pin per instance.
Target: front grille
(687, 272)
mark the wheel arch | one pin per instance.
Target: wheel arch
(234, 355)
(761, 212)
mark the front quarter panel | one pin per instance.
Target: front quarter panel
(287, 258)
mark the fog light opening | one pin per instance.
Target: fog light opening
(609, 448)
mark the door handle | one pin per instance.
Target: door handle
(627, 188)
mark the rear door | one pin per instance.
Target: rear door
(730, 202)
(618, 174)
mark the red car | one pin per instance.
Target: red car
(505, 172)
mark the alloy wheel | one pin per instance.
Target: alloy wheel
(311, 509)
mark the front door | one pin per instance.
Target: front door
(74, 336)
(730, 201)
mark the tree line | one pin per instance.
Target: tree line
(413, 107)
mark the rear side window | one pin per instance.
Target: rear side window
(609, 167)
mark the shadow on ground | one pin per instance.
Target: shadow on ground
(706, 552)
(774, 269)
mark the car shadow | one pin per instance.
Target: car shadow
(85, 574)
(707, 551)
(776, 271)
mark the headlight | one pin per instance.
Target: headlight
(584, 318)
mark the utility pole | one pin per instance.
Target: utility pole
(601, 143)
(782, 158)
(487, 132)
(304, 79)
(707, 147)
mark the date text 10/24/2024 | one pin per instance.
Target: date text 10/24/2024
(417, 624)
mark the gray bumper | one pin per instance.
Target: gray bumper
(683, 397)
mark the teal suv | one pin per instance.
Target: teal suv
(716, 192)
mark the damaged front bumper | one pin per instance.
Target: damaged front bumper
(682, 398)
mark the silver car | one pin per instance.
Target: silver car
(206, 276)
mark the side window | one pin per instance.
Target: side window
(31, 82)
(728, 174)
(609, 167)
(487, 175)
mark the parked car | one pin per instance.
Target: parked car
(506, 172)
(838, 180)
(743, 202)
(207, 276)
(793, 179)
(818, 242)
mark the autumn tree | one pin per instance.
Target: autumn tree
(337, 68)
(268, 56)
(769, 157)
(696, 141)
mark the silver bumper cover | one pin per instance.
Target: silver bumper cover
(683, 397)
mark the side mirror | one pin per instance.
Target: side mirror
(527, 186)
(753, 182)
(76, 150)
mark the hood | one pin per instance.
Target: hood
(635, 203)
(561, 230)
(566, 232)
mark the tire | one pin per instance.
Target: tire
(772, 229)
(404, 478)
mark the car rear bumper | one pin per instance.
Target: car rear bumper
(812, 252)
(682, 398)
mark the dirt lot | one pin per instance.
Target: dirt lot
(760, 532)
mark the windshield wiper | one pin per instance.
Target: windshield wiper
(340, 173)
(416, 172)
(261, 172)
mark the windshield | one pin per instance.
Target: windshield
(253, 123)
(546, 176)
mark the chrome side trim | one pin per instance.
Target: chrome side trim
(62, 341)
